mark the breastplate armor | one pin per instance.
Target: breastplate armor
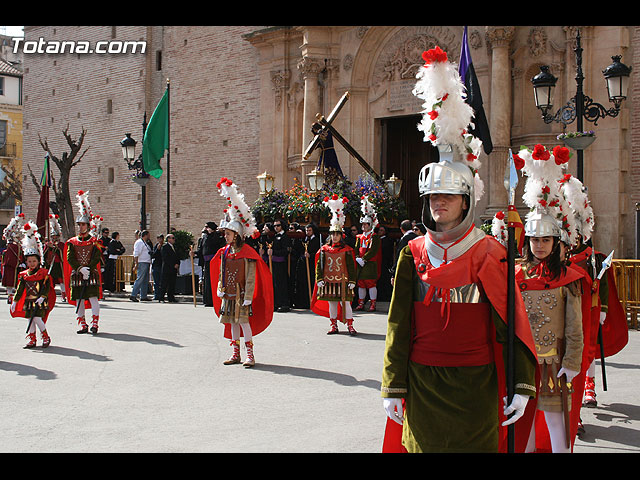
(546, 312)
(335, 269)
(234, 277)
(31, 293)
(471, 293)
(83, 254)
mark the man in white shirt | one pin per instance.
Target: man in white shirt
(142, 263)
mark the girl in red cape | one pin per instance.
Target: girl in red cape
(35, 295)
(560, 322)
(244, 299)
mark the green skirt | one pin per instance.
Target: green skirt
(451, 409)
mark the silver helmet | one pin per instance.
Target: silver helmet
(448, 177)
(540, 224)
(233, 225)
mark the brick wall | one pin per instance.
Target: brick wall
(214, 118)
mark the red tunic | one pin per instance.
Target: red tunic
(11, 258)
(262, 302)
(66, 269)
(321, 307)
(41, 274)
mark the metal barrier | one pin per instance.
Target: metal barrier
(627, 277)
(124, 271)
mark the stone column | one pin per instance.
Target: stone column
(499, 39)
(309, 68)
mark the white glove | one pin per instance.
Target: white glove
(13, 307)
(518, 405)
(246, 303)
(84, 271)
(393, 407)
(603, 315)
(360, 261)
(220, 293)
(351, 285)
(39, 300)
(320, 284)
(569, 373)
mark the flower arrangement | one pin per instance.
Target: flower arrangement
(564, 136)
(299, 203)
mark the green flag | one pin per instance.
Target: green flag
(156, 137)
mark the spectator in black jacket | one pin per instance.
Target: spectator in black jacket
(210, 242)
(408, 234)
(156, 266)
(170, 266)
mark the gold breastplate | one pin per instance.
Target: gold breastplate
(546, 312)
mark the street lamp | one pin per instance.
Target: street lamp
(394, 184)
(543, 86)
(128, 148)
(316, 180)
(581, 107)
(141, 177)
(617, 76)
(265, 181)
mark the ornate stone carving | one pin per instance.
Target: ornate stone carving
(537, 41)
(280, 82)
(499, 36)
(309, 66)
(361, 31)
(347, 62)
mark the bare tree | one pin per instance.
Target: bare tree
(11, 186)
(65, 163)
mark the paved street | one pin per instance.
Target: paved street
(152, 380)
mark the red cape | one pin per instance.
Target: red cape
(66, 271)
(573, 273)
(321, 307)
(51, 296)
(262, 302)
(484, 263)
(615, 332)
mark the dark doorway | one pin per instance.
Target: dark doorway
(404, 153)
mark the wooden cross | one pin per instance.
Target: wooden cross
(325, 125)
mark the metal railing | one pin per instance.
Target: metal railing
(627, 278)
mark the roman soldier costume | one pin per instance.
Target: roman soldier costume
(608, 321)
(244, 299)
(558, 315)
(35, 295)
(12, 257)
(368, 256)
(335, 273)
(82, 259)
(443, 379)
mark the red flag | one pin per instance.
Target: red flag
(42, 220)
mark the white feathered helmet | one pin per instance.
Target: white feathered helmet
(550, 213)
(369, 214)
(32, 242)
(13, 231)
(446, 119)
(336, 205)
(576, 195)
(54, 225)
(84, 208)
(238, 216)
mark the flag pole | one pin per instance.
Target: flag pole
(168, 159)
